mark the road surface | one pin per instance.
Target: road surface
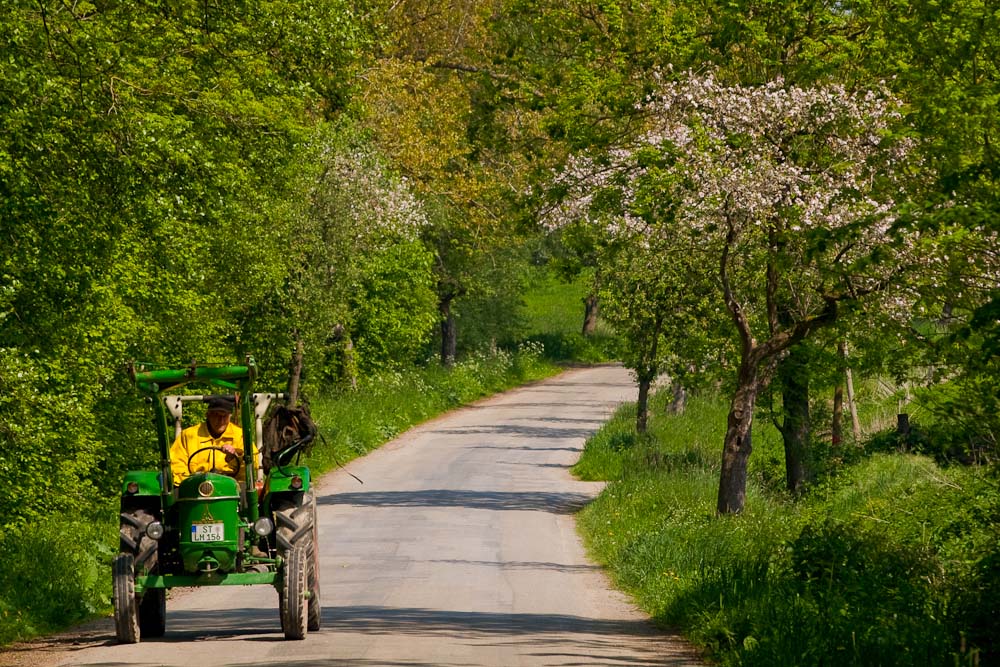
(459, 550)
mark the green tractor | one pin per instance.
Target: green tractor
(212, 529)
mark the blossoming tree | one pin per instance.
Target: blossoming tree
(784, 197)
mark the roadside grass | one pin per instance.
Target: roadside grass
(553, 316)
(57, 573)
(888, 560)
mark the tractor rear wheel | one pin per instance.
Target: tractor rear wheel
(153, 613)
(125, 603)
(132, 538)
(292, 602)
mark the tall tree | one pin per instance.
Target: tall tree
(787, 192)
(420, 99)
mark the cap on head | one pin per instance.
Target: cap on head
(222, 403)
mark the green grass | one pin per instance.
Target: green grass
(54, 574)
(889, 560)
(553, 316)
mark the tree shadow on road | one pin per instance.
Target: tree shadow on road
(543, 432)
(549, 639)
(521, 565)
(502, 501)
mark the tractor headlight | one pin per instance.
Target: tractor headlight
(155, 530)
(263, 526)
(132, 488)
(206, 488)
(296, 482)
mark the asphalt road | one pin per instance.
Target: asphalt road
(459, 549)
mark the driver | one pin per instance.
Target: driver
(218, 432)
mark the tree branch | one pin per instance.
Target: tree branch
(739, 317)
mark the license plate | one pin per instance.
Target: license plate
(207, 532)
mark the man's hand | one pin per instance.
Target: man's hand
(229, 449)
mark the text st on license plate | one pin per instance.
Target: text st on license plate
(207, 532)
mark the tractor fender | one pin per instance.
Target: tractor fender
(287, 479)
(146, 483)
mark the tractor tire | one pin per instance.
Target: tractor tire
(315, 606)
(293, 604)
(153, 613)
(296, 525)
(294, 521)
(126, 605)
(132, 539)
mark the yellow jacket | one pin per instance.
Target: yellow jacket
(197, 437)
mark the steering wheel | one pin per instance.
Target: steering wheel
(206, 449)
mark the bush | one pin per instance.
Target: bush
(55, 573)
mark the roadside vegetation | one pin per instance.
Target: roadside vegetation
(55, 573)
(769, 204)
(889, 558)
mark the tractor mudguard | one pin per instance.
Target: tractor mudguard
(147, 483)
(283, 479)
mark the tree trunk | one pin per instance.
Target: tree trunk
(737, 445)
(642, 405)
(449, 332)
(646, 371)
(591, 306)
(852, 406)
(350, 366)
(341, 366)
(837, 423)
(679, 402)
(295, 371)
(793, 371)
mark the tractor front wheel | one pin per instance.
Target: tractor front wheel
(315, 608)
(126, 605)
(297, 527)
(133, 538)
(293, 593)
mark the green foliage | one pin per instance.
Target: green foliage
(552, 313)
(393, 306)
(48, 581)
(889, 561)
(147, 153)
(50, 462)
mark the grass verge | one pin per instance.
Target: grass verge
(553, 317)
(889, 560)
